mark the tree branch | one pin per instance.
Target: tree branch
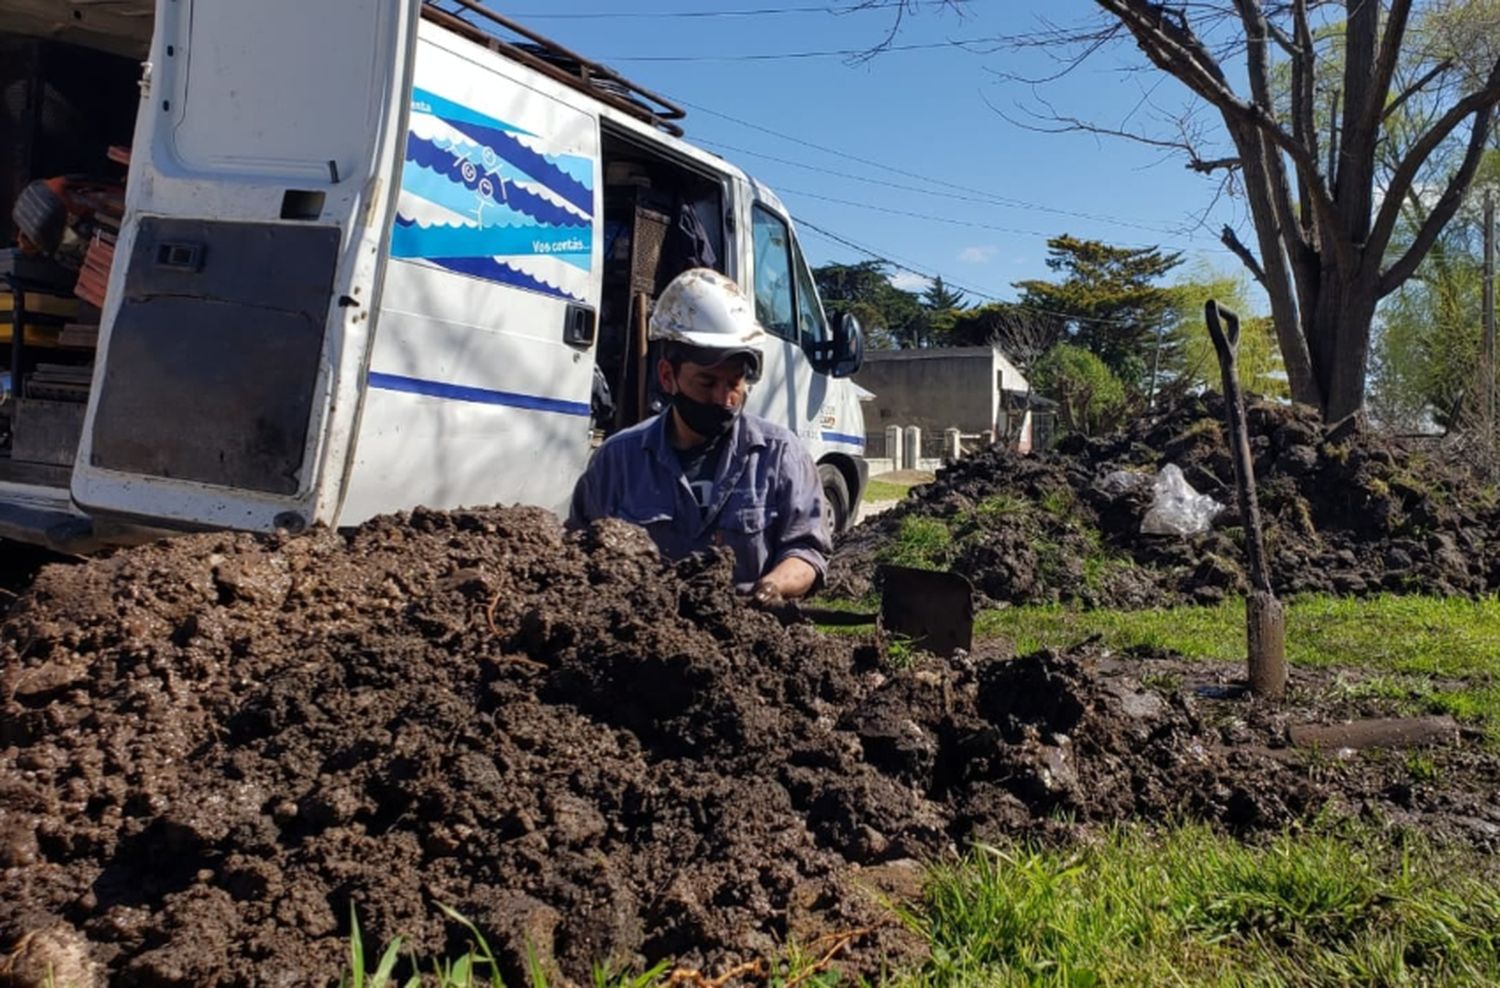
(1174, 49)
(1229, 239)
(1210, 165)
(1304, 119)
(1258, 64)
(1452, 197)
(1481, 103)
(1417, 87)
(1385, 63)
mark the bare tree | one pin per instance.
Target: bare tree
(1323, 210)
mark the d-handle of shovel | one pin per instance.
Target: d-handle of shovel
(1225, 342)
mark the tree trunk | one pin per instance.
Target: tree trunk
(1338, 333)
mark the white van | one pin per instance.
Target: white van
(371, 256)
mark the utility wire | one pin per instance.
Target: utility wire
(667, 14)
(779, 56)
(888, 260)
(968, 189)
(991, 200)
(935, 219)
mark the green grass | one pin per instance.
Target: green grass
(885, 490)
(1193, 907)
(799, 965)
(1413, 644)
(922, 543)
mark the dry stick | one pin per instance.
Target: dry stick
(489, 618)
(696, 978)
(827, 958)
(1265, 625)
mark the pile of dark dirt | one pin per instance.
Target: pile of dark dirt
(211, 748)
(1346, 511)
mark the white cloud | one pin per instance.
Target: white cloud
(979, 254)
(909, 281)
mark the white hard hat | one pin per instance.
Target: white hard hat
(707, 313)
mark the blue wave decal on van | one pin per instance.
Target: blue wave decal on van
(425, 101)
(412, 240)
(536, 165)
(446, 184)
(482, 197)
(493, 269)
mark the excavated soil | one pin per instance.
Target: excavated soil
(1346, 511)
(210, 749)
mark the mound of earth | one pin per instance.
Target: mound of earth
(212, 748)
(1345, 510)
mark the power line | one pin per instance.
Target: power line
(887, 259)
(778, 56)
(935, 219)
(991, 200)
(908, 213)
(668, 14)
(968, 189)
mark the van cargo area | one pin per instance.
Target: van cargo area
(71, 111)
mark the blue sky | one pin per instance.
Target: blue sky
(986, 193)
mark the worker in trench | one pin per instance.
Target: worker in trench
(705, 473)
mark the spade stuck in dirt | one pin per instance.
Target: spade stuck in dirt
(1264, 621)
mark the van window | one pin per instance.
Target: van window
(774, 304)
(809, 313)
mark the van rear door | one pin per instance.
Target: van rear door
(241, 305)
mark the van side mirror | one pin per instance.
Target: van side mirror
(848, 347)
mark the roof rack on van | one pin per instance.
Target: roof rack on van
(557, 62)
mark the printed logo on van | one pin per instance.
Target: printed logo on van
(482, 197)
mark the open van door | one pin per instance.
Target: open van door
(242, 300)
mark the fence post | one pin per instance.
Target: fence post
(893, 446)
(913, 447)
(953, 445)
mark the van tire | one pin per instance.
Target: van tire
(835, 497)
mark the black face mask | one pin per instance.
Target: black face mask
(708, 420)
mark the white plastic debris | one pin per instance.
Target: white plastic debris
(1178, 509)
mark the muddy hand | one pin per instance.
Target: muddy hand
(765, 595)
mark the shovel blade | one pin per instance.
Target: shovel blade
(935, 610)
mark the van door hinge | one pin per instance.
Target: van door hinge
(145, 80)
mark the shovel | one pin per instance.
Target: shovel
(933, 610)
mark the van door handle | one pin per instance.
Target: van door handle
(578, 325)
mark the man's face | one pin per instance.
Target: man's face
(724, 384)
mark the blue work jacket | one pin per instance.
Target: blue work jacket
(767, 500)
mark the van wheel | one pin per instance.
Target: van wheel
(835, 497)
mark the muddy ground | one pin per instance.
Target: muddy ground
(211, 748)
(1346, 510)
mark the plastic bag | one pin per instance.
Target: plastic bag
(1177, 509)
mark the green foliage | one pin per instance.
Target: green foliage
(939, 296)
(1426, 348)
(1189, 361)
(1108, 301)
(891, 318)
(1192, 906)
(1090, 398)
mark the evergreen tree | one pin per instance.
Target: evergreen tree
(1108, 302)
